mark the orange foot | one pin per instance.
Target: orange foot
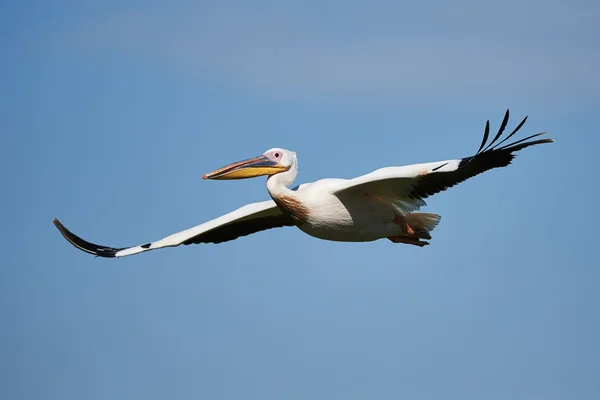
(408, 240)
(406, 229)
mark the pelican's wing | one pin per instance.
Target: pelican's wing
(248, 219)
(409, 185)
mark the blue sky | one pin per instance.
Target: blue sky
(112, 111)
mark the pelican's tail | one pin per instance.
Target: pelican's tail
(422, 223)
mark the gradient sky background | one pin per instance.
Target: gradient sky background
(111, 112)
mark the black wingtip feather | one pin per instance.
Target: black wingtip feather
(497, 156)
(97, 250)
(500, 131)
(522, 146)
(485, 136)
(509, 148)
(512, 133)
(468, 167)
(512, 145)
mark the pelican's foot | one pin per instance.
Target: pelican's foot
(401, 221)
(408, 240)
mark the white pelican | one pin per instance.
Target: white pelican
(378, 205)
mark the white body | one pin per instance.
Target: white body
(361, 209)
(346, 219)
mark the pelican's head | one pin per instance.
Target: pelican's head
(271, 162)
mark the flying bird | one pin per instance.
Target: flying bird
(383, 204)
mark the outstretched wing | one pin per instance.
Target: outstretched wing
(409, 185)
(248, 219)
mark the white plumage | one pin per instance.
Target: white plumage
(377, 205)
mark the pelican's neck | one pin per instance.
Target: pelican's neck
(278, 184)
(286, 199)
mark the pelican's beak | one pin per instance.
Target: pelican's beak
(251, 168)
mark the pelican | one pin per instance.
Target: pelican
(383, 204)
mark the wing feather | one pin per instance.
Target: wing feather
(486, 134)
(500, 131)
(244, 221)
(419, 181)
